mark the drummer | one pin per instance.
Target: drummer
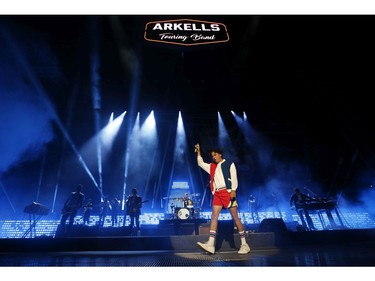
(188, 203)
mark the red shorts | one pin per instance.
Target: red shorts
(221, 198)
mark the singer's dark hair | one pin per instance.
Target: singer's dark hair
(217, 150)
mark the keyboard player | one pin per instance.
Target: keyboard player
(298, 202)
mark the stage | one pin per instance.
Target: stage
(180, 235)
(273, 247)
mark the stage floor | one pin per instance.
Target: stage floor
(344, 248)
(356, 254)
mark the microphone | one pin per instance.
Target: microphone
(196, 149)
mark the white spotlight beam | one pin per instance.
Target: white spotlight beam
(108, 134)
(224, 140)
(21, 59)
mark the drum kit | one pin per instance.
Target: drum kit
(187, 211)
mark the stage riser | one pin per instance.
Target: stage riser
(168, 236)
(165, 228)
(17, 228)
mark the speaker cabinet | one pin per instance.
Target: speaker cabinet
(278, 227)
(272, 225)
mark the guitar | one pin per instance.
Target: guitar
(69, 210)
(73, 203)
(134, 208)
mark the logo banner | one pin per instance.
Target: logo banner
(186, 32)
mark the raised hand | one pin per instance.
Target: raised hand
(197, 148)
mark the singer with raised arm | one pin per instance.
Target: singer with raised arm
(223, 185)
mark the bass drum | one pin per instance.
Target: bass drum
(183, 214)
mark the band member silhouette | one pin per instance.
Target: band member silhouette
(133, 208)
(70, 209)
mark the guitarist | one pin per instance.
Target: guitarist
(133, 208)
(71, 207)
